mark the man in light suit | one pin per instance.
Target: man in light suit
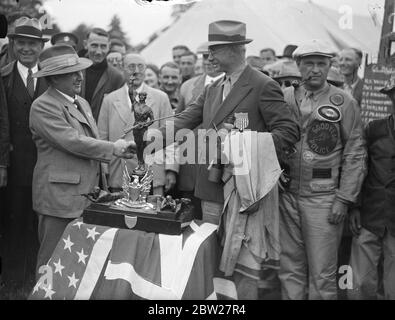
(100, 78)
(116, 116)
(68, 146)
(243, 90)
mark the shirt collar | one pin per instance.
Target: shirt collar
(140, 89)
(23, 70)
(235, 75)
(69, 98)
(209, 79)
(316, 94)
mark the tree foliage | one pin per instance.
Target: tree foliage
(115, 30)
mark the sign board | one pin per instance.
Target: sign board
(375, 105)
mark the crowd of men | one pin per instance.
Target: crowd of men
(63, 115)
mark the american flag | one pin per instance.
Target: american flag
(97, 262)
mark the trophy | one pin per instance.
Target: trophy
(144, 117)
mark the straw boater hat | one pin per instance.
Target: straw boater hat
(27, 28)
(60, 59)
(227, 32)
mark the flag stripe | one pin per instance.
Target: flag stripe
(95, 265)
(188, 255)
(170, 253)
(140, 286)
(225, 287)
(212, 296)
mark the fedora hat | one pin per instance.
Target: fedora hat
(60, 59)
(288, 51)
(27, 28)
(227, 32)
(285, 69)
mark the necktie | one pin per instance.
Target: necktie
(30, 83)
(226, 87)
(132, 96)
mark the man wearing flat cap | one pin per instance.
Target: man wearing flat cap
(21, 90)
(325, 177)
(245, 91)
(68, 146)
(65, 38)
(372, 220)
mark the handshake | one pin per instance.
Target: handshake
(124, 149)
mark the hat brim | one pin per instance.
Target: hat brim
(21, 35)
(327, 55)
(386, 90)
(83, 63)
(217, 43)
(294, 77)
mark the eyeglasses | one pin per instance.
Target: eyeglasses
(133, 67)
(216, 49)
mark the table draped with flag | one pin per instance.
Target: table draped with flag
(97, 262)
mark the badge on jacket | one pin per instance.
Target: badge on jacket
(322, 137)
(241, 120)
(329, 113)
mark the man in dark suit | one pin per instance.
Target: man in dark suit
(190, 90)
(101, 78)
(243, 90)
(21, 243)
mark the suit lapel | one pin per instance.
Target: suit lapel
(21, 95)
(89, 117)
(123, 106)
(70, 107)
(102, 81)
(238, 92)
(41, 86)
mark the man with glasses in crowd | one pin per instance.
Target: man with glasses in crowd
(117, 114)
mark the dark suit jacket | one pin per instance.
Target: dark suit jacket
(23, 155)
(4, 128)
(253, 93)
(189, 90)
(111, 80)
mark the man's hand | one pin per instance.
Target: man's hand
(124, 149)
(338, 212)
(355, 222)
(171, 179)
(3, 177)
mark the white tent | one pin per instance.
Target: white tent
(271, 23)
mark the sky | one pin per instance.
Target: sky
(141, 20)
